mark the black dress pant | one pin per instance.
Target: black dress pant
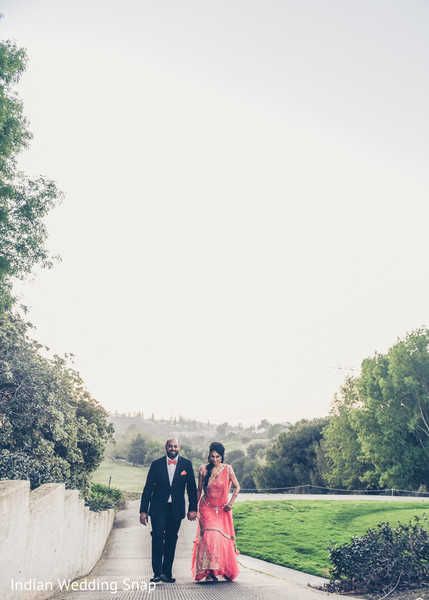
(164, 539)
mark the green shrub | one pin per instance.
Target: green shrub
(37, 470)
(103, 497)
(381, 560)
(99, 502)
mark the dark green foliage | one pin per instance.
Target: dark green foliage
(378, 436)
(154, 450)
(134, 446)
(51, 428)
(103, 497)
(256, 449)
(275, 429)
(241, 466)
(232, 455)
(196, 455)
(137, 451)
(99, 502)
(247, 482)
(24, 202)
(295, 459)
(348, 466)
(381, 560)
(19, 465)
(14, 135)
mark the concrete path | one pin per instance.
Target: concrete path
(124, 571)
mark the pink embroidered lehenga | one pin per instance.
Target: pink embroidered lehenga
(214, 549)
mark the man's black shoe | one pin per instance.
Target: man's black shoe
(157, 579)
(167, 579)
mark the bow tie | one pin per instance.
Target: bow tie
(172, 462)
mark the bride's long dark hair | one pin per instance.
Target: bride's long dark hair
(214, 447)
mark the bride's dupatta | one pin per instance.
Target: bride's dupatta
(214, 547)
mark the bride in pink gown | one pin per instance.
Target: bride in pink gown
(214, 554)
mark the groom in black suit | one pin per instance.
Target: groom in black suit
(163, 499)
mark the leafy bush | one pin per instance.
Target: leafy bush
(381, 560)
(19, 465)
(51, 429)
(99, 502)
(103, 497)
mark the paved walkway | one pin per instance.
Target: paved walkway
(124, 571)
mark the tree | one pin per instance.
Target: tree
(14, 132)
(137, 453)
(255, 449)
(295, 458)
(239, 466)
(123, 441)
(393, 422)
(154, 449)
(222, 430)
(24, 202)
(233, 455)
(51, 428)
(194, 454)
(275, 429)
(384, 414)
(247, 482)
(347, 466)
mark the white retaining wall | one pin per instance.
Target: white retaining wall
(46, 535)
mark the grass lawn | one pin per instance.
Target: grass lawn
(296, 533)
(236, 444)
(124, 476)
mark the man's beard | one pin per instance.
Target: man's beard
(172, 453)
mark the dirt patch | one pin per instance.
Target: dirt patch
(421, 593)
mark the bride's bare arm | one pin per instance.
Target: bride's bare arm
(200, 485)
(236, 485)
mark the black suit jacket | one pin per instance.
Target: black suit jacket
(157, 489)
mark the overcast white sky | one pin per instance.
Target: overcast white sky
(246, 195)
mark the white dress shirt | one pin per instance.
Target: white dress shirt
(171, 470)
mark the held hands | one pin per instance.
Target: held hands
(192, 515)
(227, 508)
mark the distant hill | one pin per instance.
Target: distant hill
(197, 433)
(163, 428)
